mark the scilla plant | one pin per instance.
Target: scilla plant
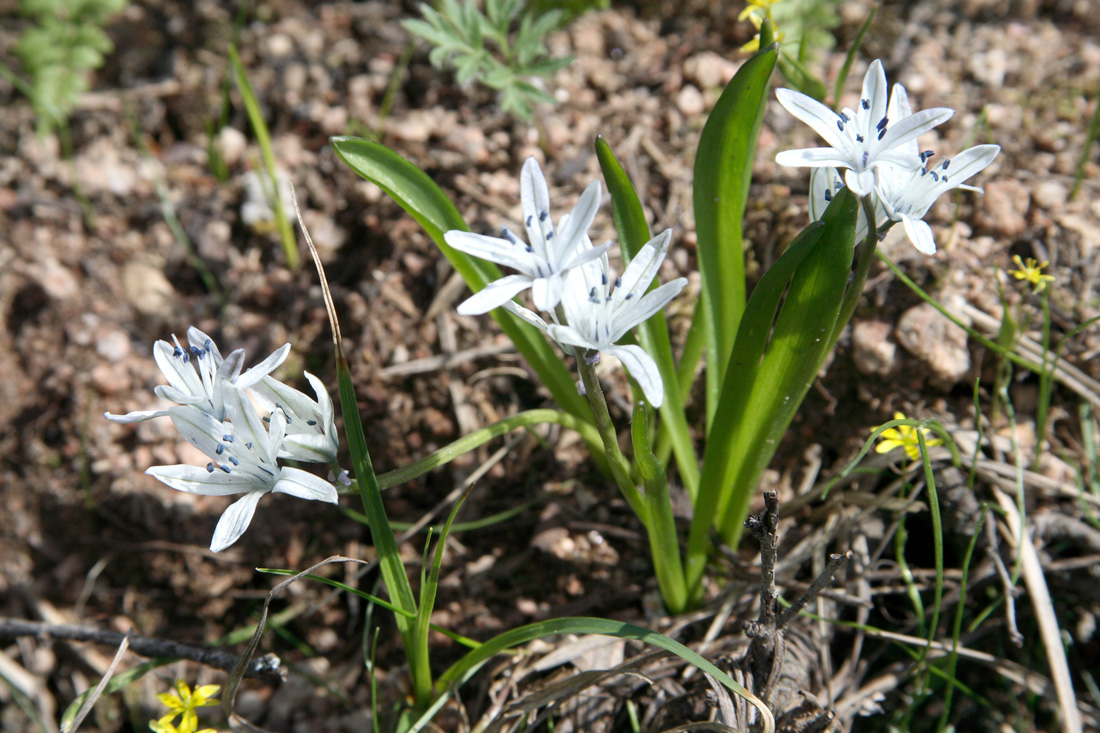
(761, 352)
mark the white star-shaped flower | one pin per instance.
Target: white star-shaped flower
(881, 131)
(542, 263)
(599, 309)
(311, 425)
(906, 194)
(198, 375)
(242, 461)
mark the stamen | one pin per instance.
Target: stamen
(844, 116)
(530, 249)
(936, 177)
(195, 352)
(549, 236)
(840, 125)
(865, 103)
(210, 468)
(828, 196)
(881, 133)
(311, 423)
(234, 461)
(227, 438)
(882, 123)
(603, 278)
(859, 138)
(508, 235)
(618, 282)
(267, 471)
(225, 468)
(220, 449)
(543, 215)
(946, 162)
(248, 445)
(529, 218)
(926, 155)
(628, 296)
(866, 155)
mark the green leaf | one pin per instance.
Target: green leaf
(633, 231)
(723, 170)
(770, 372)
(429, 206)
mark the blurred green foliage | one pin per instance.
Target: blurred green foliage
(58, 52)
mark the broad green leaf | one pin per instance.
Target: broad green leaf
(770, 372)
(791, 359)
(723, 170)
(630, 223)
(429, 206)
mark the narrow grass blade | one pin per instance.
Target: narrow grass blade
(604, 627)
(263, 138)
(850, 58)
(723, 169)
(633, 233)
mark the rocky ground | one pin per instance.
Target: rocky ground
(94, 269)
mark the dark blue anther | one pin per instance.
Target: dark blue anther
(603, 278)
(225, 468)
(311, 423)
(549, 236)
(529, 248)
(882, 123)
(828, 196)
(946, 162)
(508, 235)
(177, 352)
(210, 468)
(248, 445)
(859, 138)
(267, 419)
(934, 176)
(208, 345)
(629, 296)
(840, 125)
(926, 155)
(866, 156)
(197, 353)
(881, 133)
(866, 103)
(220, 449)
(945, 179)
(542, 216)
(618, 281)
(227, 438)
(844, 116)
(234, 461)
(529, 221)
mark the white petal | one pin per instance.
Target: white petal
(646, 306)
(910, 128)
(534, 197)
(861, 183)
(874, 91)
(196, 480)
(495, 294)
(970, 162)
(822, 119)
(920, 234)
(179, 374)
(235, 520)
(201, 341)
(643, 268)
(136, 416)
(813, 157)
(305, 485)
(500, 251)
(310, 447)
(643, 369)
(199, 428)
(546, 292)
(576, 225)
(573, 337)
(898, 110)
(525, 314)
(265, 367)
(324, 401)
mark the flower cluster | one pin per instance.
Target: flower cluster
(243, 422)
(877, 147)
(589, 307)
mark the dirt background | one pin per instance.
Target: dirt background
(86, 538)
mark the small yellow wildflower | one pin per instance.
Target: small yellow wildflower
(756, 12)
(1031, 271)
(160, 726)
(904, 436)
(184, 702)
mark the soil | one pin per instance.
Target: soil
(102, 253)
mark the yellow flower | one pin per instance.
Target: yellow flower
(756, 12)
(184, 702)
(1031, 271)
(904, 436)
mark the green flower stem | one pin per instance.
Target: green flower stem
(664, 544)
(863, 266)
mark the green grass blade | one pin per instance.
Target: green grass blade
(842, 77)
(603, 627)
(263, 138)
(429, 206)
(633, 233)
(723, 170)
